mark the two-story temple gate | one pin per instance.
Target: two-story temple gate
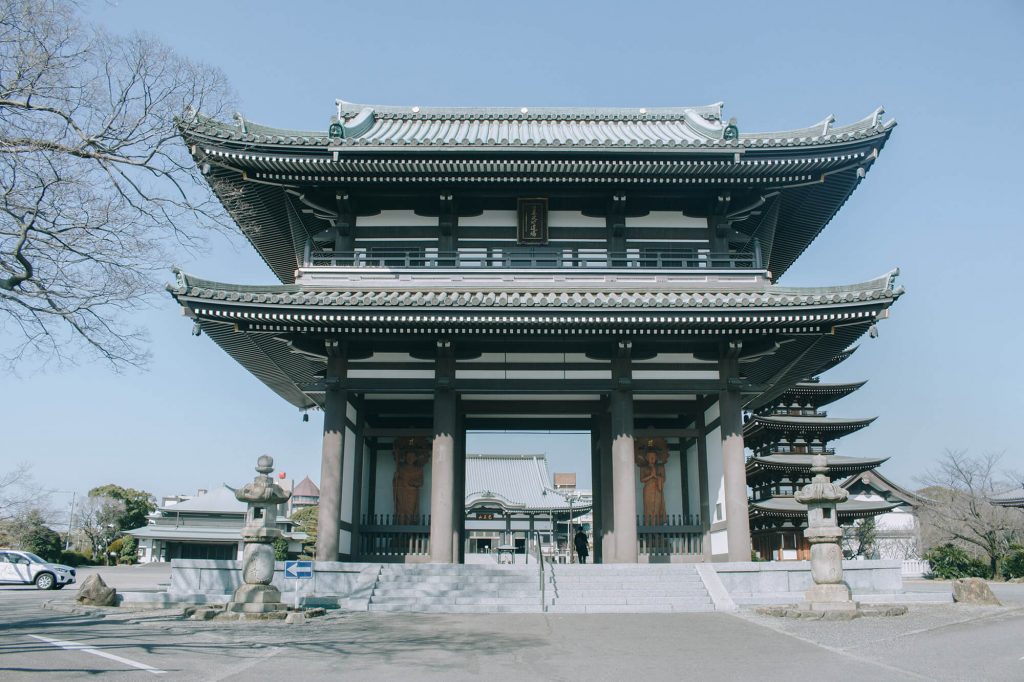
(603, 270)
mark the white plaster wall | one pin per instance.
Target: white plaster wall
(693, 478)
(719, 542)
(344, 542)
(401, 218)
(491, 219)
(573, 219)
(666, 219)
(384, 502)
(716, 477)
(364, 484)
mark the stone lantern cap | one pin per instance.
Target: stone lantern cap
(262, 489)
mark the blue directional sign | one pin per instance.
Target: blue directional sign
(298, 569)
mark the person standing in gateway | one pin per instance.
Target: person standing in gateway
(581, 546)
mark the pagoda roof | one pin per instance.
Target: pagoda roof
(250, 322)
(767, 428)
(840, 357)
(788, 507)
(791, 462)
(785, 185)
(819, 394)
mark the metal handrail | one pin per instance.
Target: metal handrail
(532, 258)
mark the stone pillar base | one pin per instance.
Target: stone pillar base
(830, 597)
(255, 599)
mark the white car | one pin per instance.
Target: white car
(26, 568)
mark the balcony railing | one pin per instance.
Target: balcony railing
(532, 258)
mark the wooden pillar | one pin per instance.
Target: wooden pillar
(332, 454)
(357, 481)
(459, 501)
(442, 462)
(737, 515)
(596, 484)
(623, 459)
(702, 482)
(607, 539)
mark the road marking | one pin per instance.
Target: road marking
(78, 646)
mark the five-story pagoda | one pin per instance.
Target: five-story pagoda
(611, 270)
(785, 435)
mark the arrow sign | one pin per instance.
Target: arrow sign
(298, 569)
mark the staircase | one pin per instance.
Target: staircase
(453, 588)
(626, 588)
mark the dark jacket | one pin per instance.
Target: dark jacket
(581, 543)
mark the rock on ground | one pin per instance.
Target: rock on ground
(95, 592)
(973, 591)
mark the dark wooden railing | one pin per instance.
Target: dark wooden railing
(390, 536)
(532, 258)
(671, 535)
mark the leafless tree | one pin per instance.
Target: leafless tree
(96, 187)
(96, 522)
(958, 507)
(19, 494)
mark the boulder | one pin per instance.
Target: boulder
(973, 591)
(94, 592)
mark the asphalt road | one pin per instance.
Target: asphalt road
(952, 642)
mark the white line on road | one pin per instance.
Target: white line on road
(78, 646)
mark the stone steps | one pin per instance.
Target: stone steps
(429, 588)
(628, 589)
(457, 608)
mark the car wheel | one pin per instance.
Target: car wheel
(45, 581)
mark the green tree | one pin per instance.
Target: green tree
(129, 551)
(30, 533)
(306, 522)
(137, 504)
(280, 549)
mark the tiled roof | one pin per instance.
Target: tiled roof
(306, 488)
(836, 463)
(678, 128)
(1010, 498)
(789, 507)
(220, 500)
(516, 482)
(743, 296)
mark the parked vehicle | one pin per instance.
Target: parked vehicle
(26, 568)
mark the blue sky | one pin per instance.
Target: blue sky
(941, 203)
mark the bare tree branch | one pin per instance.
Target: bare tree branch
(96, 186)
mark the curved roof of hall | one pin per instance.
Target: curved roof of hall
(251, 322)
(785, 186)
(571, 129)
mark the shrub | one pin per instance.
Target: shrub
(950, 562)
(1013, 563)
(75, 559)
(129, 551)
(280, 549)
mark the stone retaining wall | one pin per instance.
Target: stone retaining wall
(753, 582)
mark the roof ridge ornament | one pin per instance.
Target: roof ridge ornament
(341, 128)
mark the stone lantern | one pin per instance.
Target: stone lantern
(256, 594)
(821, 495)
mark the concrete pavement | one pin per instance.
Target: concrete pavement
(931, 642)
